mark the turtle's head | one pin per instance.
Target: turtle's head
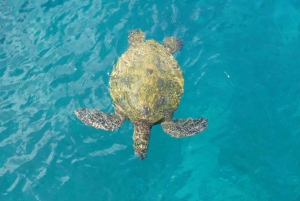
(140, 145)
(141, 137)
(142, 155)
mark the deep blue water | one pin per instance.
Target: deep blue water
(241, 66)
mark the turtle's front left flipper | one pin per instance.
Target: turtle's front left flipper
(184, 127)
(100, 119)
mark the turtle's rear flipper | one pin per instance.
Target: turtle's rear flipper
(100, 119)
(184, 127)
(172, 44)
(135, 37)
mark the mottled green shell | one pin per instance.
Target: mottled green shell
(146, 84)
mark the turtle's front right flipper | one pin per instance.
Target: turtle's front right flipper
(184, 127)
(100, 119)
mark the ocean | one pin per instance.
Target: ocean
(241, 66)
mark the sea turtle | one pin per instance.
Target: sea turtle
(145, 85)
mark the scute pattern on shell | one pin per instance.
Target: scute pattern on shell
(146, 82)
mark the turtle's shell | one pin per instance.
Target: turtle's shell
(146, 83)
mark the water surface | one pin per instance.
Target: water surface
(240, 61)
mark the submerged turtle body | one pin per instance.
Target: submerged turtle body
(146, 85)
(147, 82)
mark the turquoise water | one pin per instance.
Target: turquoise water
(241, 66)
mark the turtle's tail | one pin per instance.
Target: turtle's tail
(141, 138)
